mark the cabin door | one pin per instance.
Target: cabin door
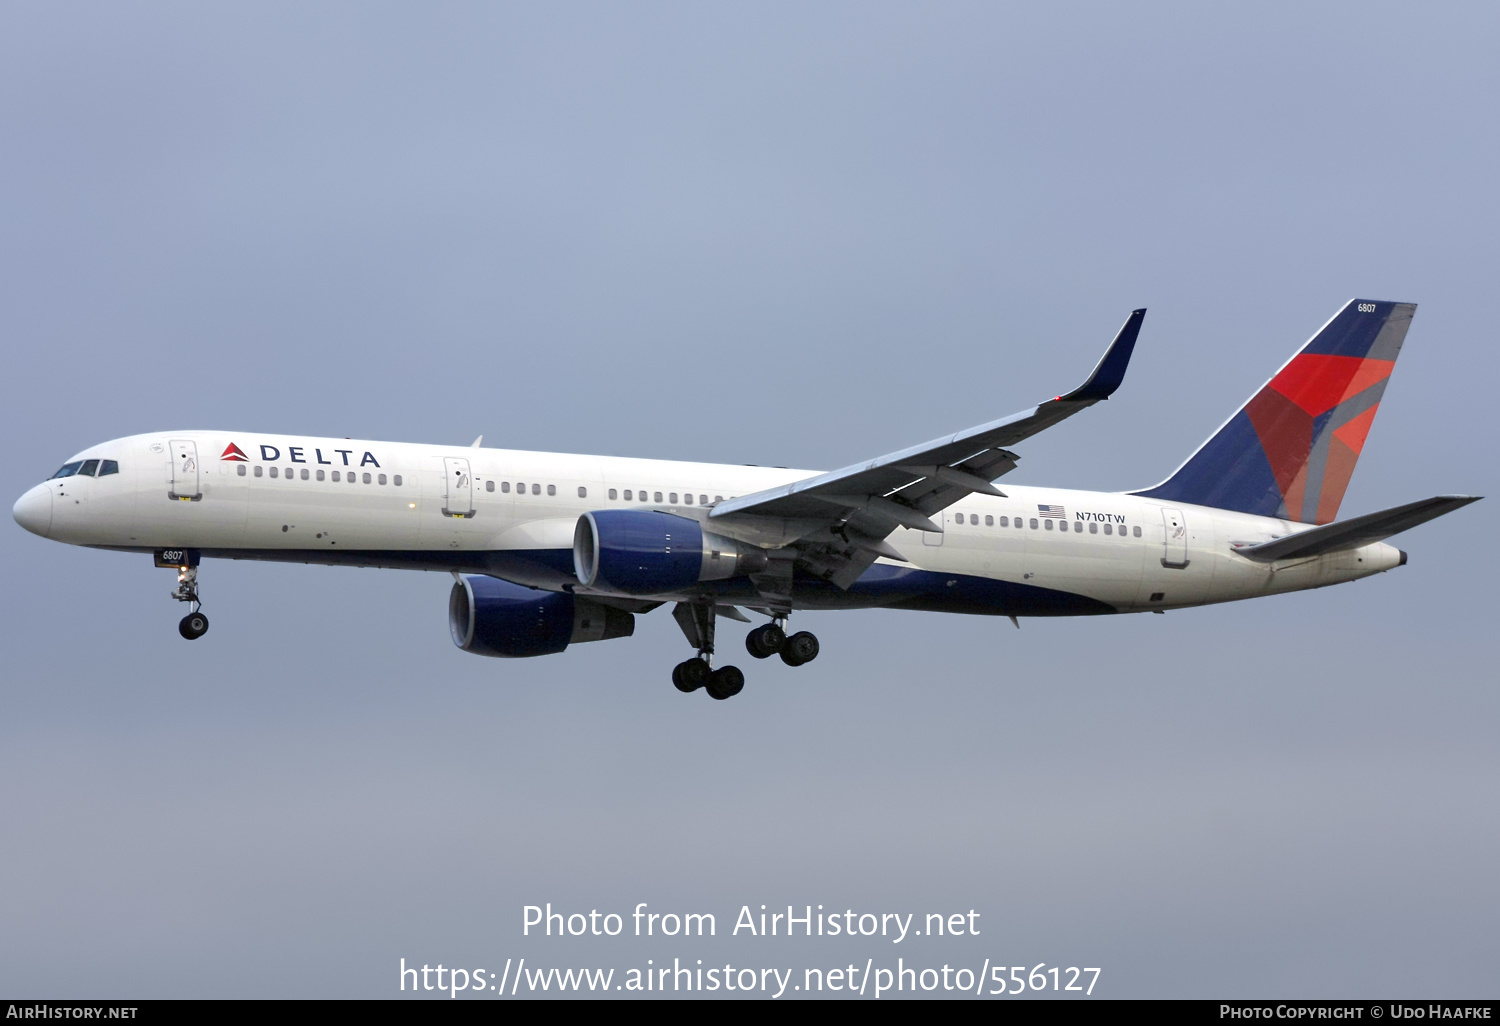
(1175, 555)
(458, 488)
(185, 471)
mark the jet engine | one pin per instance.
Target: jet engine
(642, 552)
(491, 617)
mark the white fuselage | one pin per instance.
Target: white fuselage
(512, 514)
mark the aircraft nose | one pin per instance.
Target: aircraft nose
(33, 510)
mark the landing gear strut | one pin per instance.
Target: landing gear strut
(697, 622)
(195, 624)
(771, 639)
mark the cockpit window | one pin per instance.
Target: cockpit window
(88, 468)
(108, 467)
(68, 469)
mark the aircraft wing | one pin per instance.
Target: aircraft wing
(1356, 531)
(839, 520)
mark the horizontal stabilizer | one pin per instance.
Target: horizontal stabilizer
(1351, 534)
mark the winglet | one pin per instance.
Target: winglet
(1111, 369)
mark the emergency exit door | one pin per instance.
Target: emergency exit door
(185, 473)
(458, 493)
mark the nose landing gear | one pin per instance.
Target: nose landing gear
(185, 562)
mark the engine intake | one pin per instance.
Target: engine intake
(641, 552)
(491, 617)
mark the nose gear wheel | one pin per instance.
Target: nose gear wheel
(195, 624)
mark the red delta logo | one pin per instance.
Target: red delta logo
(235, 454)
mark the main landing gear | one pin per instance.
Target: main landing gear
(772, 639)
(195, 624)
(697, 622)
(692, 674)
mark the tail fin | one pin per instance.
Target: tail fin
(1289, 452)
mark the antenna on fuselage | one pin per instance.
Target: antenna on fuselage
(475, 444)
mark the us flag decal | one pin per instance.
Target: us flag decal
(1056, 512)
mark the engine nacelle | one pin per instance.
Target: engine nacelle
(491, 617)
(642, 552)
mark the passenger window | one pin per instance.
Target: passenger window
(505, 487)
(320, 475)
(718, 498)
(275, 471)
(658, 496)
(380, 478)
(552, 489)
(335, 475)
(88, 468)
(397, 482)
(520, 487)
(627, 495)
(614, 493)
(67, 470)
(703, 500)
(1137, 532)
(489, 486)
(257, 470)
(1109, 528)
(583, 493)
(958, 517)
(674, 498)
(351, 478)
(989, 521)
(304, 473)
(1033, 523)
(536, 489)
(239, 468)
(1005, 521)
(366, 476)
(1049, 525)
(113, 467)
(1093, 528)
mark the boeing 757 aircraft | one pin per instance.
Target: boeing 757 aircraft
(548, 550)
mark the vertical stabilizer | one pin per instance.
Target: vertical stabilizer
(1290, 451)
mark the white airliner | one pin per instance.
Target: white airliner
(560, 549)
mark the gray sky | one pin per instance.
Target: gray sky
(780, 234)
